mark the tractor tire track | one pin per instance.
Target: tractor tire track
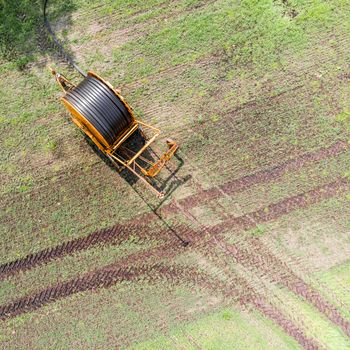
(246, 292)
(108, 277)
(114, 235)
(284, 207)
(69, 247)
(40, 298)
(93, 279)
(122, 232)
(262, 176)
(251, 295)
(288, 326)
(103, 278)
(236, 185)
(238, 288)
(258, 258)
(168, 250)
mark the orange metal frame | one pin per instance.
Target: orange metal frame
(132, 163)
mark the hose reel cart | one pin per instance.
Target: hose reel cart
(106, 118)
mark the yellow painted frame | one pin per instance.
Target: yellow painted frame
(111, 149)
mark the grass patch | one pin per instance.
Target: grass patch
(22, 38)
(206, 72)
(227, 329)
(315, 324)
(337, 279)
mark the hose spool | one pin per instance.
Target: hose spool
(99, 108)
(106, 118)
(102, 113)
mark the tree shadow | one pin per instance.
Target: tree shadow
(23, 35)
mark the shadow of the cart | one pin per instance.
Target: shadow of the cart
(166, 182)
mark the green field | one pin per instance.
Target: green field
(257, 94)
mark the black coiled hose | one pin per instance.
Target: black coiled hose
(101, 107)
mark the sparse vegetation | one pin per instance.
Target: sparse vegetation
(257, 94)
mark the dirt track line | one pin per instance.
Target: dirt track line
(69, 247)
(299, 287)
(168, 250)
(262, 176)
(108, 236)
(111, 236)
(234, 186)
(252, 296)
(107, 277)
(102, 278)
(121, 232)
(283, 207)
(259, 258)
(105, 236)
(247, 294)
(240, 184)
(26, 304)
(286, 324)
